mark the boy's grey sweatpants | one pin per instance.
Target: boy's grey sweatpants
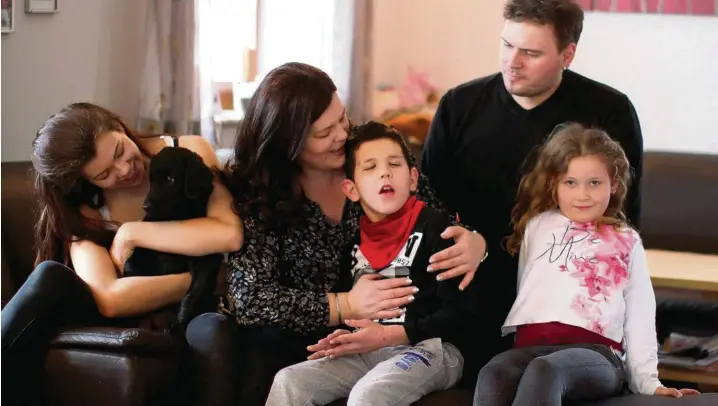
(390, 376)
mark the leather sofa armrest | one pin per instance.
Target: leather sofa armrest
(119, 340)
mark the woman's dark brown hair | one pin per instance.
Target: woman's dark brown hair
(263, 177)
(64, 144)
(538, 189)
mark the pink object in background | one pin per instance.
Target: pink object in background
(628, 6)
(603, 5)
(691, 7)
(416, 88)
(703, 7)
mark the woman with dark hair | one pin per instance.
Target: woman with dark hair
(286, 181)
(91, 177)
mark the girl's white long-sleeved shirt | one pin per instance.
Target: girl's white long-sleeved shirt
(574, 274)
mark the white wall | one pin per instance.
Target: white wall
(454, 40)
(88, 51)
(666, 64)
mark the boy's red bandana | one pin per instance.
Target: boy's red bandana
(382, 241)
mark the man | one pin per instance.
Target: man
(486, 131)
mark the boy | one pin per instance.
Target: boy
(394, 361)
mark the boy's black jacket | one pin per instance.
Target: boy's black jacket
(440, 309)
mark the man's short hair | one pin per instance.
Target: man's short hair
(566, 17)
(372, 131)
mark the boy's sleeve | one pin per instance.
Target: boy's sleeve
(345, 282)
(456, 309)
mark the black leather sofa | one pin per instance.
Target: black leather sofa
(134, 366)
(109, 366)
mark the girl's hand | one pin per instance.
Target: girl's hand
(122, 246)
(319, 349)
(370, 337)
(676, 393)
(463, 258)
(373, 297)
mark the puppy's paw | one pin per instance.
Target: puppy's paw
(176, 329)
(129, 271)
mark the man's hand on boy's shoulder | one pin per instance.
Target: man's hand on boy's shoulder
(369, 336)
(463, 257)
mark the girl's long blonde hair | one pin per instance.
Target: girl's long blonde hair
(538, 189)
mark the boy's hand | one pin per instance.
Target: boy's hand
(370, 337)
(319, 349)
(676, 393)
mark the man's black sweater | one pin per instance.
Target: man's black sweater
(480, 144)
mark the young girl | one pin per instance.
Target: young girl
(584, 316)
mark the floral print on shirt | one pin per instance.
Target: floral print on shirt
(603, 272)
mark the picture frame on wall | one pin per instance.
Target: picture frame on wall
(40, 6)
(8, 16)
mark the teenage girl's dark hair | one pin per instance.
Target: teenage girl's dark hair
(538, 189)
(64, 144)
(263, 177)
(371, 131)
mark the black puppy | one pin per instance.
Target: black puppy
(180, 187)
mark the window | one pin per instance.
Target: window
(240, 41)
(228, 39)
(316, 32)
(295, 31)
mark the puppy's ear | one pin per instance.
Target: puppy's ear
(197, 178)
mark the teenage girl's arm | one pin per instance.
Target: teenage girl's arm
(219, 232)
(119, 297)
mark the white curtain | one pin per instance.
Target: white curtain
(174, 96)
(331, 35)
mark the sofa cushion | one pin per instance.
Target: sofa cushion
(708, 399)
(460, 397)
(18, 217)
(98, 377)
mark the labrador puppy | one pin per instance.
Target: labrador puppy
(180, 187)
